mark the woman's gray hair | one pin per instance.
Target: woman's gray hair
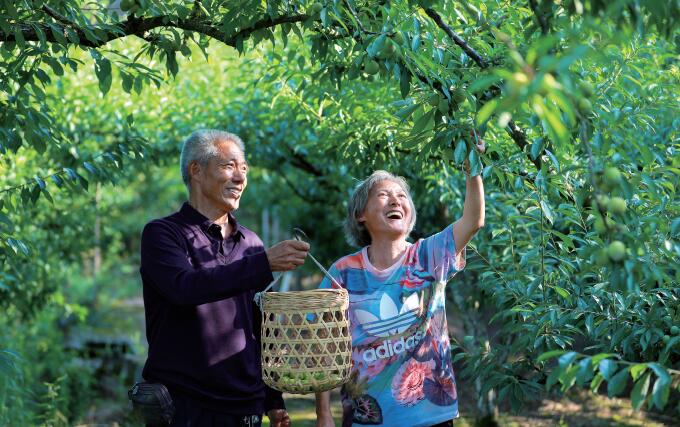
(355, 231)
(200, 147)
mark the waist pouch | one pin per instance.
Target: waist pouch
(152, 403)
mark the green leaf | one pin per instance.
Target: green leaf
(71, 174)
(406, 111)
(640, 390)
(562, 292)
(58, 34)
(536, 148)
(405, 83)
(426, 121)
(460, 152)
(607, 368)
(662, 385)
(126, 82)
(57, 180)
(475, 163)
(5, 220)
(103, 71)
(617, 383)
(547, 211)
(568, 377)
(595, 383)
(56, 66)
(553, 378)
(585, 371)
(19, 37)
(171, 63)
(600, 357)
(90, 168)
(139, 83)
(40, 181)
(567, 358)
(550, 355)
(637, 370)
(486, 111)
(415, 43)
(484, 82)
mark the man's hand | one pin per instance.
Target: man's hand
(278, 417)
(287, 255)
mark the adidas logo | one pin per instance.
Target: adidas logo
(391, 322)
(389, 348)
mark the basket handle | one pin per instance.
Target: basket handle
(299, 234)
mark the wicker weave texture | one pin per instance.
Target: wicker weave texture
(306, 344)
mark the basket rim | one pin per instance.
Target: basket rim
(303, 301)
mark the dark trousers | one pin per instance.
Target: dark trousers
(188, 414)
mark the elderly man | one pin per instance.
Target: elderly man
(200, 270)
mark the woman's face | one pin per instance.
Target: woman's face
(388, 212)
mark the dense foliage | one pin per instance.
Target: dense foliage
(576, 100)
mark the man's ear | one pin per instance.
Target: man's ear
(361, 218)
(195, 170)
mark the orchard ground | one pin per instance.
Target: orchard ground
(577, 408)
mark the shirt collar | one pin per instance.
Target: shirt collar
(194, 217)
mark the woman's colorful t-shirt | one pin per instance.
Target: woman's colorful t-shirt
(402, 373)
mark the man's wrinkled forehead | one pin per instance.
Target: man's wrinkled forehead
(229, 150)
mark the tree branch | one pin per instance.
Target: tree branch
(469, 51)
(542, 21)
(56, 16)
(139, 26)
(515, 132)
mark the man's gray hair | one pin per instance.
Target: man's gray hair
(200, 147)
(355, 231)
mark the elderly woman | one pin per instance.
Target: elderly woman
(402, 374)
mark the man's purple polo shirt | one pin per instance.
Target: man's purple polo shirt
(201, 324)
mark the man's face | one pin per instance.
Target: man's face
(387, 212)
(222, 181)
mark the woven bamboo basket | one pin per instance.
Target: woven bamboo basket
(306, 344)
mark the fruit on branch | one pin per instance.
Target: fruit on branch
(388, 49)
(434, 99)
(602, 201)
(129, 6)
(616, 251)
(371, 66)
(520, 79)
(616, 206)
(516, 83)
(585, 107)
(586, 88)
(458, 95)
(612, 176)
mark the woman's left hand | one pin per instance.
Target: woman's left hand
(480, 146)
